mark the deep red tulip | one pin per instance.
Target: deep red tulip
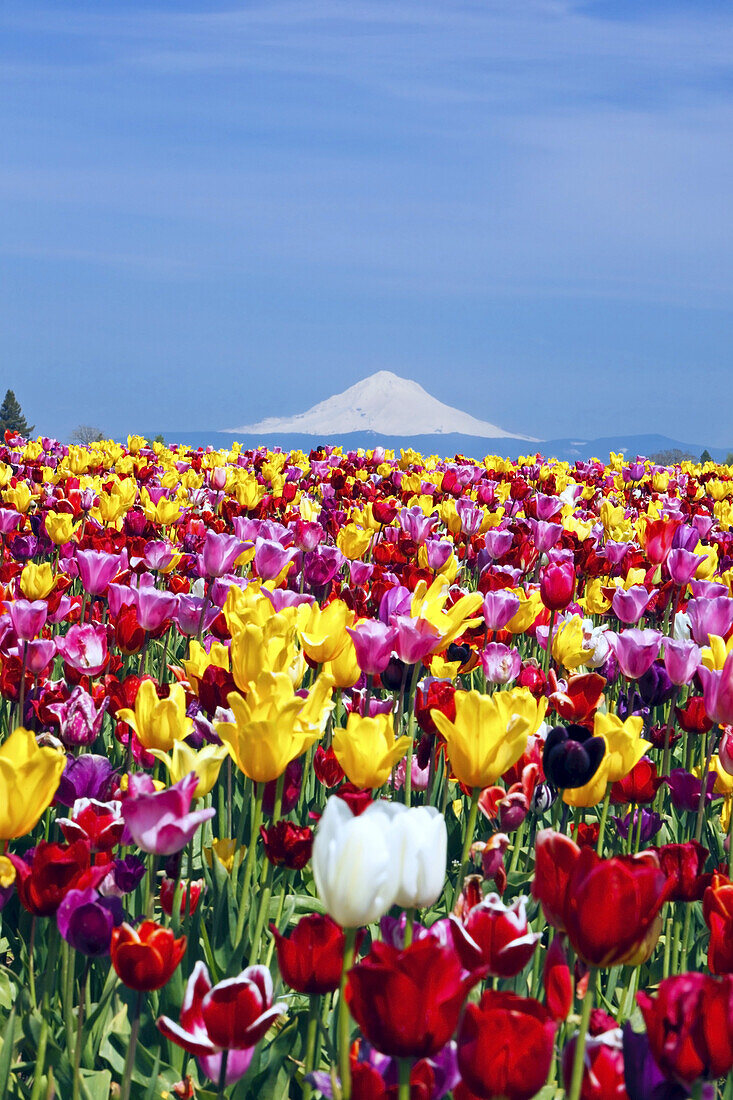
(610, 908)
(426, 976)
(640, 786)
(145, 957)
(558, 981)
(440, 695)
(689, 1025)
(287, 844)
(557, 585)
(505, 1046)
(311, 957)
(52, 871)
(693, 716)
(327, 769)
(168, 891)
(683, 864)
(603, 1069)
(496, 936)
(577, 700)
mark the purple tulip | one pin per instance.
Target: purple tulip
(395, 601)
(39, 654)
(438, 552)
(710, 616)
(154, 607)
(85, 919)
(96, 570)
(188, 614)
(717, 689)
(125, 875)
(635, 650)
(158, 555)
(500, 663)
(360, 572)
(630, 604)
(643, 1077)
(79, 720)
(684, 789)
(682, 564)
(322, 565)
(545, 535)
(160, 821)
(220, 552)
(499, 607)
(373, 642)
(416, 524)
(681, 660)
(271, 558)
(651, 823)
(9, 520)
(498, 542)
(86, 776)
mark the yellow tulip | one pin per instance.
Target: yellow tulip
(593, 599)
(714, 655)
(267, 648)
(530, 605)
(225, 851)
(723, 779)
(352, 541)
(29, 776)
(592, 792)
(367, 750)
(266, 733)
(60, 527)
(183, 760)
(624, 744)
(158, 723)
(323, 632)
(489, 734)
(7, 872)
(344, 669)
(37, 581)
(567, 644)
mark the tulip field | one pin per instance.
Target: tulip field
(363, 776)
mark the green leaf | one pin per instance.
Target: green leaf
(95, 1083)
(8, 991)
(6, 1052)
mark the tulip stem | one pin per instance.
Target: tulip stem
(253, 834)
(343, 1017)
(730, 838)
(405, 1067)
(576, 1081)
(604, 818)
(409, 925)
(467, 840)
(712, 741)
(310, 1043)
(80, 1031)
(221, 1087)
(548, 648)
(132, 1046)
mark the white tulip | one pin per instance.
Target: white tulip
(420, 845)
(354, 863)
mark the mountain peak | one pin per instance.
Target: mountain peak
(384, 404)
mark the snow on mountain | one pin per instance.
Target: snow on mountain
(384, 404)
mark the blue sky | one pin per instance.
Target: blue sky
(217, 212)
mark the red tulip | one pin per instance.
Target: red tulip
(557, 585)
(287, 844)
(640, 786)
(407, 1003)
(54, 869)
(505, 1047)
(555, 858)
(311, 958)
(683, 864)
(558, 981)
(495, 935)
(603, 1069)
(689, 1024)
(145, 957)
(168, 891)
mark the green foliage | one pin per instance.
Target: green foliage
(706, 456)
(11, 417)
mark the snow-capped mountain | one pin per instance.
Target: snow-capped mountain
(384, 404)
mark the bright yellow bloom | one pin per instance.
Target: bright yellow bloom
(367, 750)
(593, 600)
(7, 872)
(37, 581)
(488, 736)
(352, 541)
(60, 527)
(624, 744)
(429, 604)
(199, 660)
(158, 723)
(267, 732)
(183, 760)
(344, 669)
(269, 648)
(723, 779)
(323, 632)
(29, 776)
(714, 655)
(225, 851)
(530, 605)
(567, 644)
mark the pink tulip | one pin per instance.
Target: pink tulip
(416, 524)
(373, 642)
(79, 720)
(154, 607)
(160, 822)
(39, 654)
(271, 558)
(681, 660)
(84, 648)
(415, 638)
(28, 618)
(499, 607)
(500, 663)
(710, 616)
(220, 553)
(682, 565)
(718, 692)
(438, 552)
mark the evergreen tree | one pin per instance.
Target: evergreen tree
(706, 456)
(11, 417)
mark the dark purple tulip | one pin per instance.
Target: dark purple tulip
(686, 538)
(655, 686)
(322, 565)
(651, 823)
(23, 547)
(126, 874)
(85, 919)
(86, 776)
(571, 756)
(644, 1078)
(684, 789)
